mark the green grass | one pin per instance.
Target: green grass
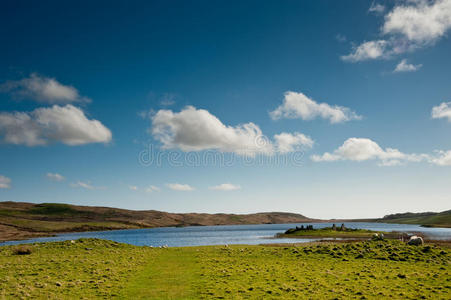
(91, 268)
(53, 209)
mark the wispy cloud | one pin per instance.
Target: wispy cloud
(55, 177)
(152, 188)
(376, 8)
(226, 187)
(443, 158)
(180, 187)
(86, 185)
(5, 182)
(133, 187)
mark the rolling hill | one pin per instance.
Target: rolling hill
(427, 219)
(19, 220)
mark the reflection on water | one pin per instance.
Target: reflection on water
(221, 235)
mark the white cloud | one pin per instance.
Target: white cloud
(152, 188)
(81, 184)
(443, 158)
(55, 177)
(5, 182)
(225, 187)
(376, 8)
(42, 89)
(409, 26)
(180, 187)
(133, 187)
(442, 111)
(421, 22)
(362, 149)
(367, 50)
(196, 129)
(403, 66)
(287, 142)
(66, 124)
(298, 105)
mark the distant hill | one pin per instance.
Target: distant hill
(427, 219)
(19, 220)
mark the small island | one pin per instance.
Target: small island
(334, 232)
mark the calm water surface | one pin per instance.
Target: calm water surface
(221, 235)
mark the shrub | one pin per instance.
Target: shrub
(22, 250)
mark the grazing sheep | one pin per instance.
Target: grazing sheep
(415, 240)
(378, 237)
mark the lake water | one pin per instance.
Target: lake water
(221, 235)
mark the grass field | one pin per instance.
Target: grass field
(91, 268)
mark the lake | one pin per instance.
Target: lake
(221, 235)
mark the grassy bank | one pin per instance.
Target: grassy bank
(92, 268)
(329, 232)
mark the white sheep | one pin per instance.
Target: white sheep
(415, 240)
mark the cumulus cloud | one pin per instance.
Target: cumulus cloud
(5, 182)
(43, 90)
(287, 142)
(442, 111)
(376, 8)
(66, 124)
(133, 187)
(362, 149)
(197, 129)
(421, 22)
(180, 187)
(403, 66)
(408, 26)
(298, 105)
(152, 188)
(225, 187)
(55, 177)
(366, 51)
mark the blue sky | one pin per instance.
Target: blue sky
(359, 89)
